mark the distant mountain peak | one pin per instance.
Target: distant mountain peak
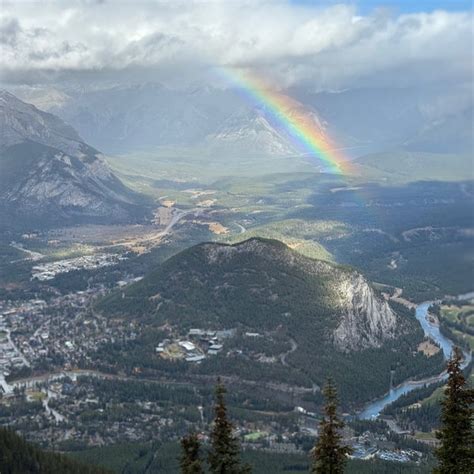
(20, 121)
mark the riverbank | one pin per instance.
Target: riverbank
(432, 331)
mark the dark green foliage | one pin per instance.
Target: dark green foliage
(374, 426)
(261, 285)
(456, 451)
(162, 458)
(329, 454)
(224, 455)
(411, 397)
(428, 268)
(425, 418)
(134, 458)
(19, 457)
(190, 461)
(377, 466)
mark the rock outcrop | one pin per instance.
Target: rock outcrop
(367, 320)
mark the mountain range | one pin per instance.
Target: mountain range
(127, 118)
(48, 174)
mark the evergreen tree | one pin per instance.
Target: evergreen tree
(190, 461)
(329, 454)
(224, 456)
(18, 457)
(456, 451)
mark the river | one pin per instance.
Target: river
(432, 331)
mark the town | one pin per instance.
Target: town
(49, 380)
(47, 271)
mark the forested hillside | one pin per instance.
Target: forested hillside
(336, 322)
(19, 457)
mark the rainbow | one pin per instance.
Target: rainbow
(292, 116)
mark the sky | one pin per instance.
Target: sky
(399, 6)
(323, 45)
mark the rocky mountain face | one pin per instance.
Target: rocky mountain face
(49, 175)
(145, 116)
(367, 320)
(330, 315)
(249, 133)
(20, 121)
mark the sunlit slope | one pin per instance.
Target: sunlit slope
(297, 234)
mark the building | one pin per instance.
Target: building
(187, 345)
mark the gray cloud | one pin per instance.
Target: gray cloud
(327, 48)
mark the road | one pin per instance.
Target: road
(158, 235)
(51, 411)
(293, 348)
(241, 227)
(20, 354)
(33, 256)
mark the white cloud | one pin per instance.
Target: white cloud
(328, 47)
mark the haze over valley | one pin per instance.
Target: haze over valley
(271, 194)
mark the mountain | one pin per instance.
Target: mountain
(128, 118)
(409, 166)
(247, 133)
(449, 134)
(368, 120)
(333, 319)
(124, 119)
(48, 175)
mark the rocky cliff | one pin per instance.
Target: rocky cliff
(367, 320)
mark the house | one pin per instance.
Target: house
(214, 349)
(187, 345)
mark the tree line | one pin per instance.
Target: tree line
(455, 453)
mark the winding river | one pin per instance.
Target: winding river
(432, 331)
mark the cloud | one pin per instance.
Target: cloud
(329, 47)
